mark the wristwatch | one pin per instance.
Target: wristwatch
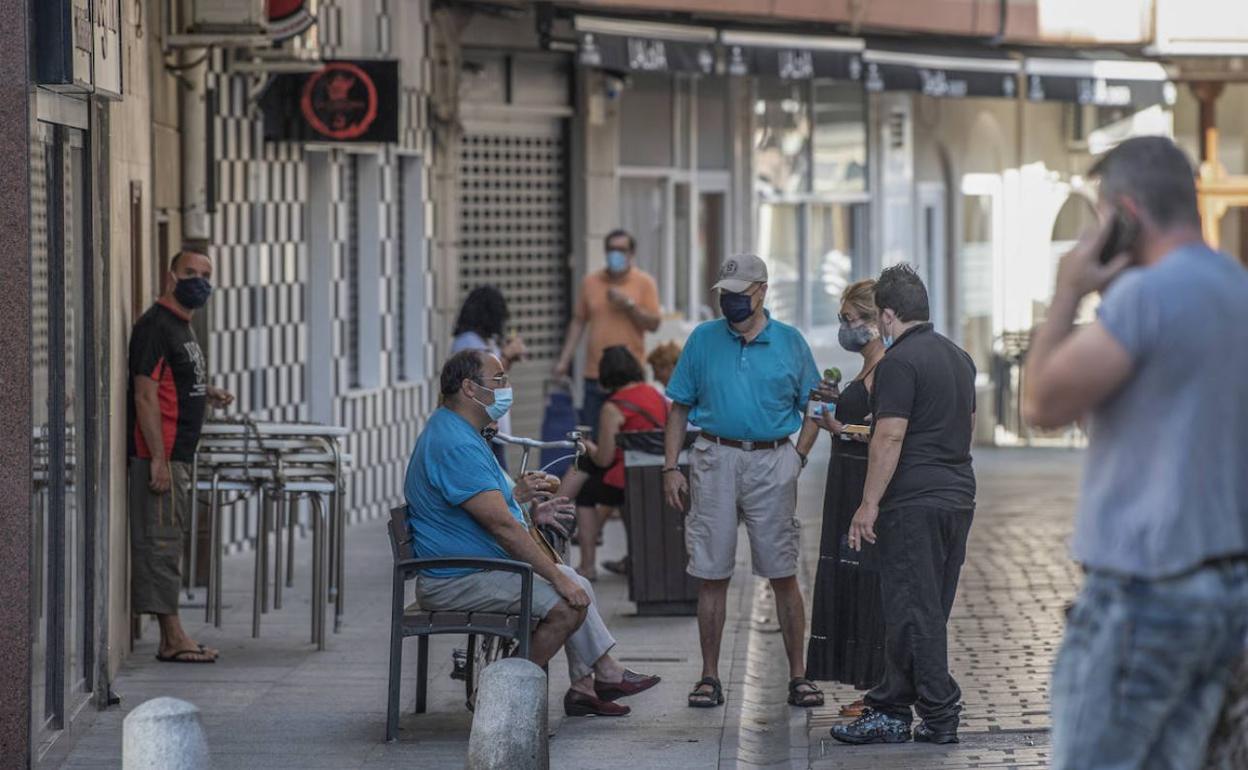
(669, 470)
(804, 458)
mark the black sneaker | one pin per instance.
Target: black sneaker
(872, 727)
(925, 734)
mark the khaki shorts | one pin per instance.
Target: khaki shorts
(484, 591)
(158, 524)
(728, 486)
(500, 592)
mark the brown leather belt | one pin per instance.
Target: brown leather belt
(748, 446)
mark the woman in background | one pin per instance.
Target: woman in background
(663, 360)
(481, 325)
(632, 405)
(847, 621)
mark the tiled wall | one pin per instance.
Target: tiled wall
(258, 340)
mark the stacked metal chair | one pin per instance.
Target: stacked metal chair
(279, 463)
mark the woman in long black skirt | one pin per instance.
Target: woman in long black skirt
(847, 622)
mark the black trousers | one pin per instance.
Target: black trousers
(920, 553)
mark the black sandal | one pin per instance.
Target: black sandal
(699, 699)
(810, 698)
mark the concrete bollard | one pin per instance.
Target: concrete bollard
(509, 723)
(164, 734)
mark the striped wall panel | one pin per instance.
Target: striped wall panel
(258, 338)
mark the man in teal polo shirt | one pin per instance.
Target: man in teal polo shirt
(744, 380)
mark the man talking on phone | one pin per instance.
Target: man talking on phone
(1162, 524)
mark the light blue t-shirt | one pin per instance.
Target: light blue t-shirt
(745, 392)
(450, 465)
(1165, 485)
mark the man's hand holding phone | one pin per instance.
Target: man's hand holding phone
(1098, 257)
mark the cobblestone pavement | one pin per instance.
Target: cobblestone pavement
(1006, 623)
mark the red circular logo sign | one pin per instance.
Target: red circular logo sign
(280, 9)
(340, 101)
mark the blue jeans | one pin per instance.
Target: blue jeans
(1144, 668)
(591, 405)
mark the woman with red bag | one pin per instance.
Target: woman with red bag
(598, 483)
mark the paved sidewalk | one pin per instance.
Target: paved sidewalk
(275, 703)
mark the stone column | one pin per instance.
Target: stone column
(509, 724)
(164, 734)
(15, 406)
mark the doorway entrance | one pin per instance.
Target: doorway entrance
(63, 442)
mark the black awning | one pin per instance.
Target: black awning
(1106, 81)
(791, 57)
(944, 71)
(628, 46)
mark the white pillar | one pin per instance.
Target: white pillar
(165, 734)
(509, 721)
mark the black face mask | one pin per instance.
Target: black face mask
(736, 307)
(192, 293)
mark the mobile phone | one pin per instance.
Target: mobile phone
(1123, 231)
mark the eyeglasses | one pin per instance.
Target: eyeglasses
(498, 381)
(846, 320)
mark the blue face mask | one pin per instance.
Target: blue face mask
(617, 261)
(501, 405)
(736, 307)
(192, 293)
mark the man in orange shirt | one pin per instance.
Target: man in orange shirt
(619, 305)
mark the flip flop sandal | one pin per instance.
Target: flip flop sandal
(180, 657)
(808, 698)
(699, 699)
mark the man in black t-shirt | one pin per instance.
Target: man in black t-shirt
(917, 505)
(167, 397)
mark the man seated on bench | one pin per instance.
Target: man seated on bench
(460, 503)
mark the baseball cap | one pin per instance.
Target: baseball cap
(739, 271)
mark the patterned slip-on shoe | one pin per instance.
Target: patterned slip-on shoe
(872, 727)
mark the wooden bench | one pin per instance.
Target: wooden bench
(411, 620)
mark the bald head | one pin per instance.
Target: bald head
(188, 264)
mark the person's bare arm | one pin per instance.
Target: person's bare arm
(674, 483)
(575, 330)
(490, 510)
(1067, 372)
(882, 459)
(643, 319)
(609, 423)
(806, 439)
(147, 412)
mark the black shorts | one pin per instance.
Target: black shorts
(596, 491)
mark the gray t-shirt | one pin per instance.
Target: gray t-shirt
(1165, 484)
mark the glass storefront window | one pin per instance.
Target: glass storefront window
(779, 244)
(976, 279)
(810, 170)
(840, 140)
(781, 138)
(42, 157)
(837, 242)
